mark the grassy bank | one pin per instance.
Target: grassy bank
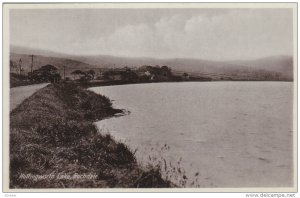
(54, 144)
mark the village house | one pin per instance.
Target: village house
(77, 74)
(124, 74)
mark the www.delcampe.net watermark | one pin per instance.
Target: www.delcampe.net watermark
(58, 176)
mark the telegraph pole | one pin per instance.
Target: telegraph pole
(20, 66)
(64, 72)
(31, 62)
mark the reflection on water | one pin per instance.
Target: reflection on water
(218, 134)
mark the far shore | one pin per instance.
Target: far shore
(112, 83)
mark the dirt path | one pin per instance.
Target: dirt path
(19, 94)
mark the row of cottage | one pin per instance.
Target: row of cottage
(152, 73)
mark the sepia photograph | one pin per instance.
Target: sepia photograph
(156, 96)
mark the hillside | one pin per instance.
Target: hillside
(282, 64)
(279, 66)
(39, 61)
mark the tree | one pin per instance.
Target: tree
(185, 76)
(48, 68)
(166, 68)
(129, 75)
(13, 66)
(47, 73)
(78, 73)
(166, 71)
(91, 73)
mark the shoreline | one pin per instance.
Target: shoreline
(113, 83)
(120, 82)
(52, 132)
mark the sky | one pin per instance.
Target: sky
(213, 34)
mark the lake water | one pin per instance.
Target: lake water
(208, 134)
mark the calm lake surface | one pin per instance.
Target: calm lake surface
(208, 134)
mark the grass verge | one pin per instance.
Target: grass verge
(54, 144)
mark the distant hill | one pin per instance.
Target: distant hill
(29, 51)
(39, 61)
(281, 64)
(239, 69)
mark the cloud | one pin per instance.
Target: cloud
(130, 40)
(206, 34)
(163, 38)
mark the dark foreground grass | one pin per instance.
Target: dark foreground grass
(54, 144)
